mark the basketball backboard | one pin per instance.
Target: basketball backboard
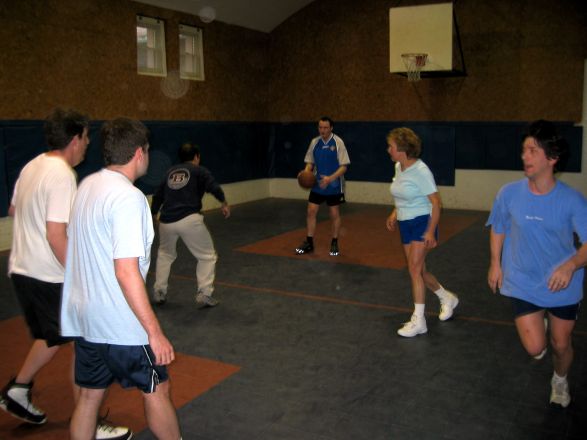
(426, 29)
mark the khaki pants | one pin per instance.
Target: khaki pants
(194, 233)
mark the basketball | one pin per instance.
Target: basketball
(306, 179)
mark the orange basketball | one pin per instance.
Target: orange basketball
(306, 179)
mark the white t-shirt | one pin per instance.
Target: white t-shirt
(43, 192)
(110, 219)
(410, 190)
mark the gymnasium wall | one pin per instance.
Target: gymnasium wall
(256, 111)
(82, 54)
(524, 60)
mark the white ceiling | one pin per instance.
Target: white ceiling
(260, 15)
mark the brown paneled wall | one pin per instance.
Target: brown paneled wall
(83, 54)
(525, 60)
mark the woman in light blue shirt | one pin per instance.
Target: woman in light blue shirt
(416, 212)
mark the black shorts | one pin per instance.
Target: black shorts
(568, 313)
(97, 366)
(331, 200)
(41, 306)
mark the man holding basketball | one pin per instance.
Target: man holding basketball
(328, 154)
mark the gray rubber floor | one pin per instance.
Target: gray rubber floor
(319, 355)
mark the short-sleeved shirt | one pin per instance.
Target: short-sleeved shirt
(410, 189)
(328, 156)
(110, 220)
(538, 238)
(43, 193)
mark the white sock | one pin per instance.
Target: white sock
(419, 310)
(20, 395)
(441, 292)
(559, 379)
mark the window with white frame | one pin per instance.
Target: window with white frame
(151, 46)
(191, 53)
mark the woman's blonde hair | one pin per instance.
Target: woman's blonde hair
(406, 141)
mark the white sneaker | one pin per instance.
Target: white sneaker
(559, 394)
(206, 300)
(105, 431)
(415, 326)
(448, 304)
(159, 297)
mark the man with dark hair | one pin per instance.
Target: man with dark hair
(179, 198)
(41, 205)
(105, 302)
(328, 154)
(534, 260)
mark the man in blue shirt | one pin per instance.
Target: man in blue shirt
(533, 257)
(327, 157)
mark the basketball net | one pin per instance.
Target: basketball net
(414, 63)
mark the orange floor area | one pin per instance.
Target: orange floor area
(191, 376)
(363, 239)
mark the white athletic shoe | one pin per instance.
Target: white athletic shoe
(448, 304)
(415, 326)
(104, 431)
(206, 300)
(159, 297)
(559, 394)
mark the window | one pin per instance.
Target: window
(151, 47)
(191, 53)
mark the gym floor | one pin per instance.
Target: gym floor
(305, 347)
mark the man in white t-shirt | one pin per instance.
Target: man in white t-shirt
(41, 203)
(105, 302)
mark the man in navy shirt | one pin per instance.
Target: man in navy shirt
(180, 201)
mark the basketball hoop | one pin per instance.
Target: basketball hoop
(414, 63)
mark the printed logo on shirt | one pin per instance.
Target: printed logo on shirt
(178, 178)
(534, 217)
(332, 148)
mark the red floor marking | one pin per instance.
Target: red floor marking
(190, 377)
(363, 240)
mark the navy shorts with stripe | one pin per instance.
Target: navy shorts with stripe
(97, 366)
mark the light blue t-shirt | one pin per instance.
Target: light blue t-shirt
(110, 219)
(410, 189)
(538, 238)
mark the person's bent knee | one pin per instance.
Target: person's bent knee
(535, 349)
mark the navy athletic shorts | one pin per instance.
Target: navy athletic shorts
(568, 313)
(41, 306)
(414, 229)
(97, 366)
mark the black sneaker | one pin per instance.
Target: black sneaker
(15, 399)
(305, 248)
(334, 249)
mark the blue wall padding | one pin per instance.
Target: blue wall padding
(366, 143)
(240, 151)
(4, 201)
(498, 146)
